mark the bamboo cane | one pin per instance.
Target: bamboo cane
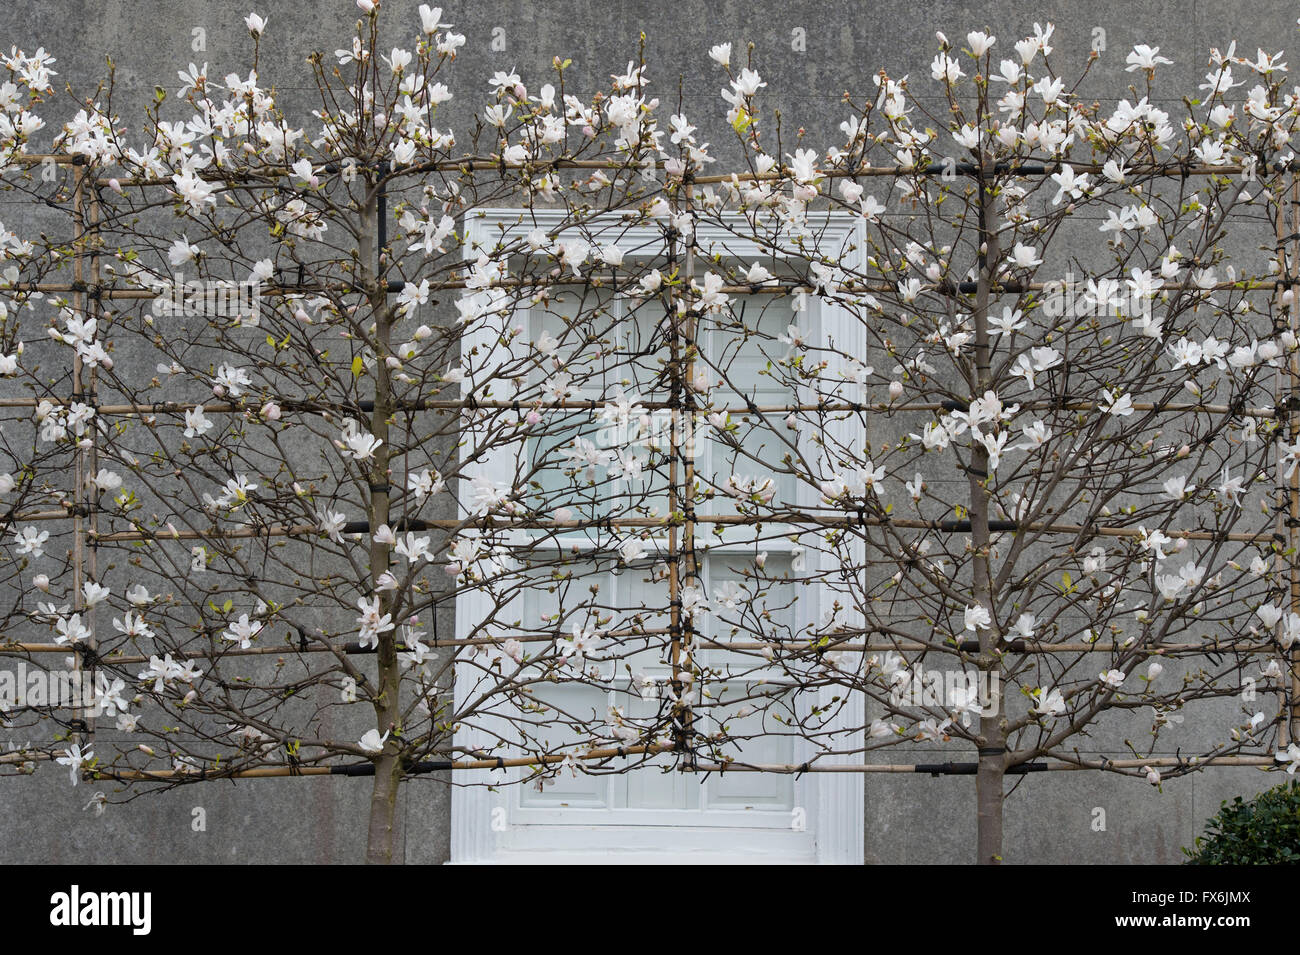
(797, 769)
(266, 772)
(670, 523)
(1289, 729)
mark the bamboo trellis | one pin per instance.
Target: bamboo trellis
(88, 292)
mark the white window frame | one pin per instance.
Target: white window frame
(834, 802)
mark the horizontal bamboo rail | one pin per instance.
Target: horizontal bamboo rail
(368, 769)
(783, 518)
(951, 768)
(969, 768)
(775, 287)
(937, 166)
(454, 404)
(350, 649)
(804, 645)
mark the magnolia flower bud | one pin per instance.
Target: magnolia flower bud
(115, 185)
(41, 582)
(563, 514)
(271, 411)
(895, 390)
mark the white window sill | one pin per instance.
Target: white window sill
(633, 857)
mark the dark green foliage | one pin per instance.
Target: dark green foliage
(1263, 831)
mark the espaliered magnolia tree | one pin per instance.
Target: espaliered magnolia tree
(326, 433)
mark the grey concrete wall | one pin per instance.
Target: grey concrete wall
(908, 819)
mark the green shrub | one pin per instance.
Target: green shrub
(1263, 831)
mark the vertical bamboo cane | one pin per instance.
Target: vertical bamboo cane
(1292, 266)
(1281, 495)
(82, 722)
(94, 307)
(1287, 495)
(990, 773)
(676, 388)
(690, 568)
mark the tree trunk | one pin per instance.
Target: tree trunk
(388, 765)
(383, 810)
(992, 734)
(988, 800)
